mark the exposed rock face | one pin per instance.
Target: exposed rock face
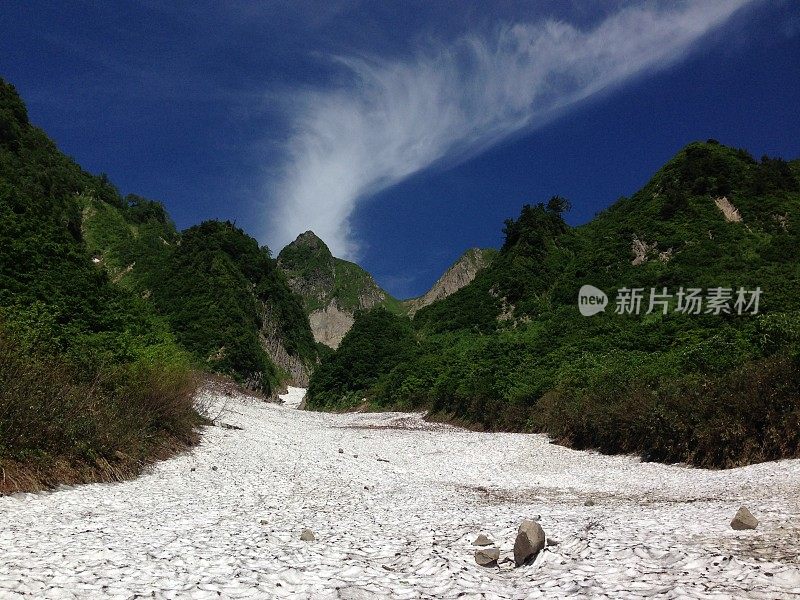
(461, 273)
(272, 342)
(530, 541)
(330, 324)
(744, 519)
(728, 210)
(332, 289)
(642, 252)
(309, 267)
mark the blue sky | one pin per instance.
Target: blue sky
(401, 132)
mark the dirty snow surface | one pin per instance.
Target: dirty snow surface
(395, 515)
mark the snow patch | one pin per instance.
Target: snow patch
(395, 515)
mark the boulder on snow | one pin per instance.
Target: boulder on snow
(589, 502)
(530, 541)
(487, 557)
(341, 450)
(744, 519)
(307, 535)
(482, 540)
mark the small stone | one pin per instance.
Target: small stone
(214, 468)
(482, 540)
(487, 557)
(589, 503)
(307, 535)
(530, 541)
(355, 455)
(744, 519)
(341, 450)
(193, 469)
(263, 522)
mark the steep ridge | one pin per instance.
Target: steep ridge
(220, 294)
(332, 289)
(460, 274)
(229, 304)
(93, 386)
(714, 385)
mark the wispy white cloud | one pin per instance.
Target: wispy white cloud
(396, 117)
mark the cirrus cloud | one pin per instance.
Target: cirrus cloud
(395, 117)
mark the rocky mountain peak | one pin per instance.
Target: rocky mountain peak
(310, 239)
(461, 273)
(332, 289)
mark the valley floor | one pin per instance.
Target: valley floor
(395, 514)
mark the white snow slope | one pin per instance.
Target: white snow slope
(402, 528)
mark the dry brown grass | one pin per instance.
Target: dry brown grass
(59, 425)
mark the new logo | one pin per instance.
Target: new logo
(591, 300)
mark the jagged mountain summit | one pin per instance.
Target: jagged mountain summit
(460, 274)
(332, 289)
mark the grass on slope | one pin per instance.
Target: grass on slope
(92, 383)
(511, 351)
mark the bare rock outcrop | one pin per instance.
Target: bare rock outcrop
(332, 289)
(642, 251)
(460, 274)
(330, 324)
(273, 344)
(729, 211)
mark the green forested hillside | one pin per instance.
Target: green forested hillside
(92, 381)
(512, 351)
(332, 289)
(321, 279)
(106, 313)
(214, 293)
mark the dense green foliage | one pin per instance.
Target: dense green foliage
(511, 350)
(376, 342)
(133, 242)
(216, 292)
(322, 279)
(68, 335)
(106, 311)
(51, 292)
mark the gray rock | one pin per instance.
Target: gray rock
(341, 450)
(487, 557)
(589, 503)
(307, 535)
(744, 519)
(530, 541)
(482, 540)
(214, 468)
